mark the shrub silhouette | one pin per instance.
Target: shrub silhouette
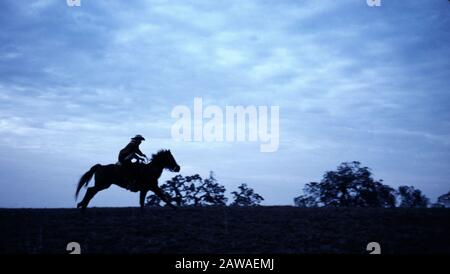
(443, 200)
(191, 191)
(411, 197)
(349, 186)
(246, 197)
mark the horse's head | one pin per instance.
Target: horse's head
(165, 159)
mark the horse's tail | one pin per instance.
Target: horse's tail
(84, 180)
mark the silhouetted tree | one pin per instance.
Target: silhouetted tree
(411, 197)
(191, 191)
(437, 205)
(444, 200)
(153, 200)
(311, 197)
(246, 197)
(211, 192)
(349, 186)
(205, 191)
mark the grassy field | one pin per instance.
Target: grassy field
(225, 230)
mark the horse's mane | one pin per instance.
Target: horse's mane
(159, 154)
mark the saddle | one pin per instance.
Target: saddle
(130, 174)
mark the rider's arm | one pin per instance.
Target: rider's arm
(139, 152)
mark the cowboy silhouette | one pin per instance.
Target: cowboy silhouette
(127, 154)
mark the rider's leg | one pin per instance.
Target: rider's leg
(129, 157)
(128, 171)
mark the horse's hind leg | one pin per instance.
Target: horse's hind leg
(90, 193)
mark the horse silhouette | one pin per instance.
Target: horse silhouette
(146, 176)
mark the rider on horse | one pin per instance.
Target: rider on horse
(130, 152)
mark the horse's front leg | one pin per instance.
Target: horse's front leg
(142, 196)
(162, 196)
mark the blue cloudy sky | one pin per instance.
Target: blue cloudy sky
(352, 83)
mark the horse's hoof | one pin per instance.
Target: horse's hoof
(81, 207)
